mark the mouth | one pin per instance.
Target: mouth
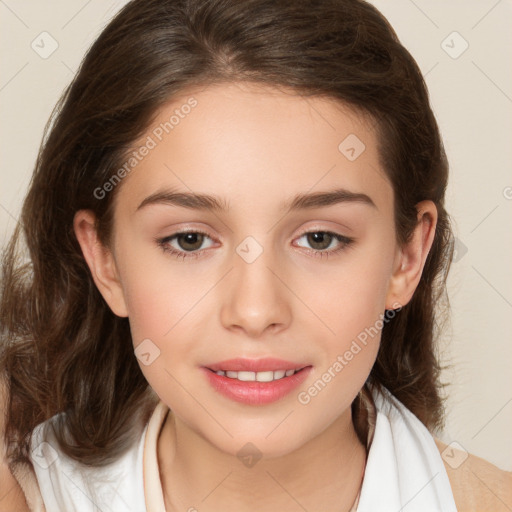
(256, 382)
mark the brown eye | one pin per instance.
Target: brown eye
(190, 241)
(186, 243)
(324, 242)
(319, 240)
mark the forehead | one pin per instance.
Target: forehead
(256, 145)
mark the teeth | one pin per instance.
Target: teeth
(257, 376)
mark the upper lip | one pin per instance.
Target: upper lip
(255, 365)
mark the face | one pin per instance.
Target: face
(288, 254)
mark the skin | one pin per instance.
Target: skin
(11, 494)
(257, 147)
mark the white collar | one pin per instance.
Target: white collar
(404, 469)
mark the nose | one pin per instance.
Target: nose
(255, 300)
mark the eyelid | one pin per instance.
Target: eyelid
(322, 227)
(319, 226)
(326, 231)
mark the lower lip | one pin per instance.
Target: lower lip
(253, 392)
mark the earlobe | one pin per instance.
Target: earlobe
(412, 256)
(100, 261)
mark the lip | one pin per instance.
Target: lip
(254, 392)
(255, 365)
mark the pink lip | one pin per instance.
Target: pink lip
(253, 392)
(255, 365)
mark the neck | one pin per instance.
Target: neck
(324, 474)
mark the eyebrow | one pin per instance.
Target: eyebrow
(209, 202)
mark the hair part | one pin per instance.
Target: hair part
(62, 348)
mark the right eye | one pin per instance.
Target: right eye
(184, 244)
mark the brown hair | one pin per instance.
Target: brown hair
(62, 349)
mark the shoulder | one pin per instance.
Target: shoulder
(476, 483)
(67, 484)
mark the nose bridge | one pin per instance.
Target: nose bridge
(255, 297)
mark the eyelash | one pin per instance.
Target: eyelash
(163, 243)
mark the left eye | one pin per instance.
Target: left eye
(322, 240)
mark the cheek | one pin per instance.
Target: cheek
(351, 295)
(158, 291)
(165, 308)
(351, 304)
(148, 308)
(160, 307)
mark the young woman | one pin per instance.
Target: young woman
(237, 241)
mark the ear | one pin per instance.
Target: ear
(411, 257)
(101, 262)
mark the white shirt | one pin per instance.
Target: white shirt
(68, 486)
(404, 470)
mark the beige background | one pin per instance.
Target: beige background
(471, 94)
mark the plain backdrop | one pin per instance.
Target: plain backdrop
(463, 48)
